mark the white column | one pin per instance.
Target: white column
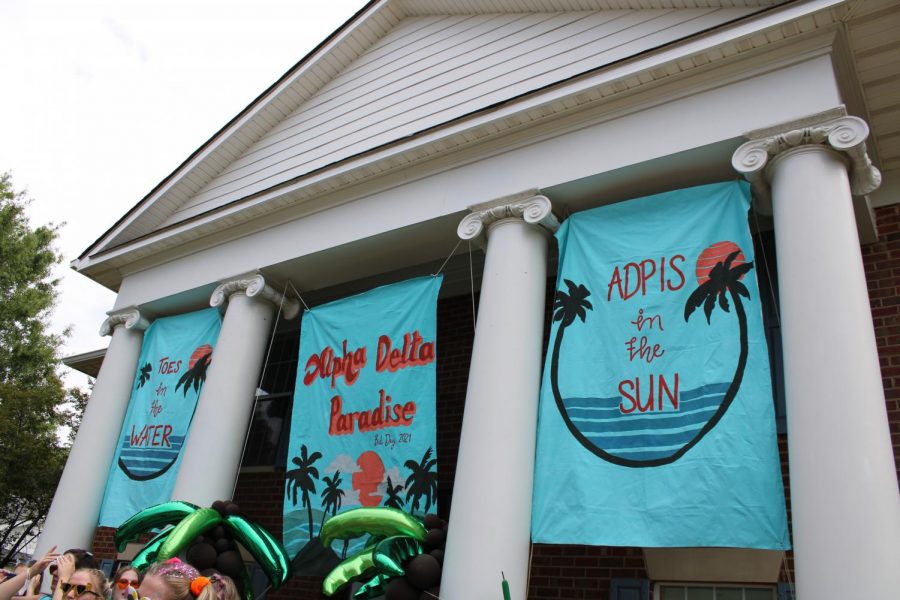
(212, 453)
(76, 505)
(845, 504)
(490, 518)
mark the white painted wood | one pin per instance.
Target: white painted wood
(444, 76)
(560, 154)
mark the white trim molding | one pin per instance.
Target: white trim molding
(254, 285)
(130, 317)
(833, 129)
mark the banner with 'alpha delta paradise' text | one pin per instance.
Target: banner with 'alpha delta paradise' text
(363, 424)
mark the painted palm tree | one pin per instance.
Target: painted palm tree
(332, 496)
(568, 307)
(144, 375)
(302, 478)
(716, 285)
(195, 376)
(394, 500)
(422, 482)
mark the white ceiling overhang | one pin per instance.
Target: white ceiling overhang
(211, 193)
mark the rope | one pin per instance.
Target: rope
(452, 252)
(299, 297)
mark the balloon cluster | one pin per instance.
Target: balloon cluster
(210, 535)
(217, 549)
(423, 572)
(402, 559)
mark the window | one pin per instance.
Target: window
(665, 591)
(270, 427)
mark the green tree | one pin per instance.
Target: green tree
(33, 399)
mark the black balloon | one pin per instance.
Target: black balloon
(202, 555)
(219, 505)
(217, 532)
(433, 593)
(434, 539)
(432, 521)
(230, 563)
(424, 571)
(400, 589)
(232, 509)
(438, 553)
(223, 544)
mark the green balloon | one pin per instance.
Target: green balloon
(148, 553)
(373, 588)
(196, 523)
(354, 567)
(378, 521)
(266, 550)
(160, 515)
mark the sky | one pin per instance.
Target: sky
(102, 99)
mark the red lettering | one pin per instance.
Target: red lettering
(630, 389)
(677, 270)
(325, 364)
(165, 437)
(409, 411)
(416, 352)
(615, 280)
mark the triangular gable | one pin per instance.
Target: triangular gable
(399, 68)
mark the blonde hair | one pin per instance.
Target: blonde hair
(98, 581)
(177, 582)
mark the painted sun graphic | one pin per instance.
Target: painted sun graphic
(717, 253)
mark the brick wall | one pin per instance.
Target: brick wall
(882, 264)
(575, 571)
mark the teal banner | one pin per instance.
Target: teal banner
(175, 356)
(656, 422)
(363, 424)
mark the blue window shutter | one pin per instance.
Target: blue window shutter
(629, 589)
(785, 591)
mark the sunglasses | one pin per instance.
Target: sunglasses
(80, 588)
(124, 583)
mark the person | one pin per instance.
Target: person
(170, 580)
(10, 587)
(177, 580)
(67, 563)
(126, 576)
(224, 587)
(85, 584)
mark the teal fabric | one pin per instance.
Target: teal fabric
(656, 425)
(175, 355)
(364, 408)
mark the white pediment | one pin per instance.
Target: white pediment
(399, 69)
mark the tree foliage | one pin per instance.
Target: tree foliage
(34, 404)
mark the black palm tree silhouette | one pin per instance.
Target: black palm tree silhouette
(332, 496)
(144, 375)
(723, 280)
(196, 375)
(393, 495)
(302, 478)
(422, 483)
(568, 307)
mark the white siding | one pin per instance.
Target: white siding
(430, 70)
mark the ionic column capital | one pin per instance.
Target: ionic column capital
(254, 285)
(130, 317)
(531, 206)
(832, 129)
